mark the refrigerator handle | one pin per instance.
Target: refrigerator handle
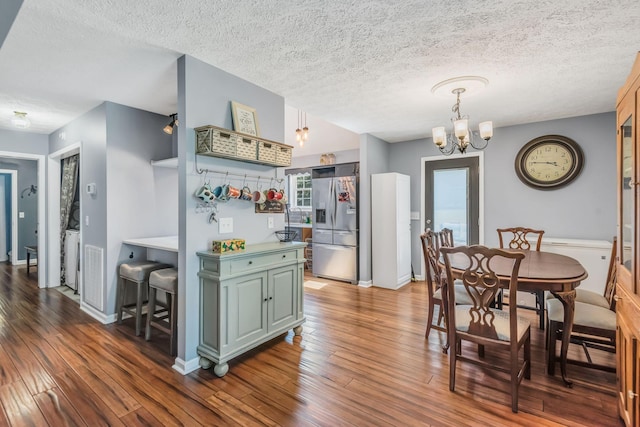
(335, 202)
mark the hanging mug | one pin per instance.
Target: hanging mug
(231, 192)
(273, 194)
(259, 197)
(246, 194)
(205, 193)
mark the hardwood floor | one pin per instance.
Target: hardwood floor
(361, 360)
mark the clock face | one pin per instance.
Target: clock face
(549, 162)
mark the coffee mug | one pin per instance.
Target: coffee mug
(259, 197)
(231, 192)
(246, 194)
(218, 192)
(205, 193)
(274, 194)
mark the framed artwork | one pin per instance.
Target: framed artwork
(245, 119)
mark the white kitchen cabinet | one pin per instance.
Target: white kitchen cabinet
(248, 298)
(391, 230)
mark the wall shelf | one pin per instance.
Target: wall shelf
(166, 163)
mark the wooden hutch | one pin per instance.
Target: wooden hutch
(628, 262)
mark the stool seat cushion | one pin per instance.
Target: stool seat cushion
(165, 280)
(138, 271)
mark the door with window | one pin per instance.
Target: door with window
(452, 197)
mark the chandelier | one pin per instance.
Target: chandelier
(302, 134)
(461, 137)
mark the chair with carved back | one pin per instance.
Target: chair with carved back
(446, 238)
(479, 322)
(594, 321)
(436, 279)
(525, 239)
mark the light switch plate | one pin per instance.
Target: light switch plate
(21, 215)
(225, 225)
(271, 222)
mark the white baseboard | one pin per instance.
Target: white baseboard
(98, 315)
(186, 367)
(365, 283)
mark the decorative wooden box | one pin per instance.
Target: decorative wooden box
(226, 246)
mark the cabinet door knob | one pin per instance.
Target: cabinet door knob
(265, 300)
(631, 394)
(250, 262)
(270, 298)
(284, 256)
(616, 298)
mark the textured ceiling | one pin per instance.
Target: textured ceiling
(367, 66)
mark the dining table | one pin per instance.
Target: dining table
(546, 271)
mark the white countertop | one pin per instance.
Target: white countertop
(167, 243)
(300, 225)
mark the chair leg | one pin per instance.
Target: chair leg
(452, 365)
(527, 358)
(551, 351)
(173, 303)
(151, 309)
(540, 307)
(120, 297)
(514, 380)
(139, 309)
(429, 321)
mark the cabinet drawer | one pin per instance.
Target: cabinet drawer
(261, 261)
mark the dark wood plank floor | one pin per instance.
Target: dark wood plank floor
(362, 360)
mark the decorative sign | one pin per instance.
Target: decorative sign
(245, 119)
(270, 206)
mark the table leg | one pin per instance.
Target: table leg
(568, 300)
(445, 307)
(28, 261)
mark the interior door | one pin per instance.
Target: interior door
(452, 195)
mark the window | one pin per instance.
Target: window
(300, 186)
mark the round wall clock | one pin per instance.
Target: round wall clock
(549, 162)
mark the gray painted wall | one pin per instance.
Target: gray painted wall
(118, 144)
(23, 142)
(141, 200)
(15, 143)
(204, 98)
(27, 227)
(585, 209)
(8, 12)
(374, 158)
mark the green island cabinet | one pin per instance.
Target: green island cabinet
(248, 298)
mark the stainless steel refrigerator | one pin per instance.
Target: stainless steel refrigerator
(335, 221)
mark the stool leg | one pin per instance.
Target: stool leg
(120, 298)
(151, 309)
(173, 303)
(139, 309)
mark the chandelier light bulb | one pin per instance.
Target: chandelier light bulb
(486, 130)
(305, 133)
(439, 136)
(461, 128)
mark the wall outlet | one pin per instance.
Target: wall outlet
(20, 214)
(271, 222)
(225, 225)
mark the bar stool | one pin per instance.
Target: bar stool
(166, 319)
(136, 273)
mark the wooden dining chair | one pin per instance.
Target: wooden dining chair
(479, 322)
(436, 280)
(606, 298)
(594, 321)
(525, 239)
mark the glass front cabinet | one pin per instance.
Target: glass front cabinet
(628, 291)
